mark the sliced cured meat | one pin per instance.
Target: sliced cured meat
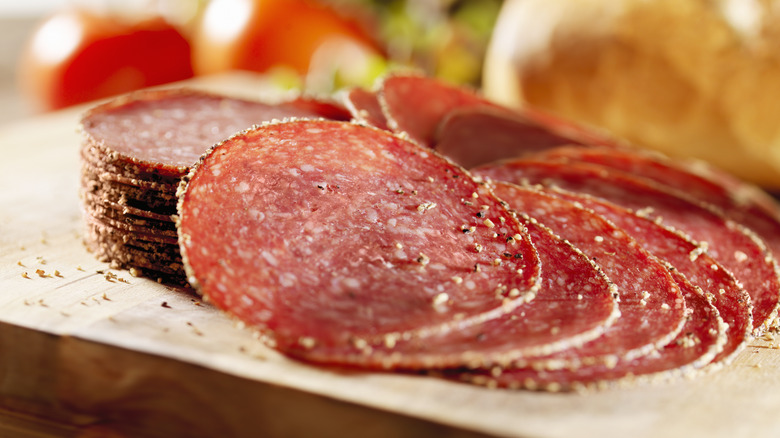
(416, 105)
(110, 214)
(171, 129)
(321, 106)
(737, 249)
(718, 284)
(148, 200)
(337, 237)
(476, 136)
(94, 200)
(421, 107)
(109, 178)
(700, 340)
(137, 147)
(578, 134)
(364, 107)
(575, 304)
(652, 308)
(741, 202)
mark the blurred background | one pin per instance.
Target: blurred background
(17, 21)
(693, 78)
(57, 53)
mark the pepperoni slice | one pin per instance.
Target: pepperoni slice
(651, 304)
(736, 248)
(741, 202)
(334, 238)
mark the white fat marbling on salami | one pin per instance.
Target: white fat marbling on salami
(575, 304)
(339, 272)
(744, 204)
(175, 127)
(719, 236)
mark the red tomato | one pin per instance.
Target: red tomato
(259, 34)
(78, 56)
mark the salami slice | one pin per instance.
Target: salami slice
(736, 248)
(651, 305)
(94, 200)
(110, 214)
(476, 136)
(741, 202)
(365, 107)
(717, 283)
(137, 147)
(170, 129)
(700, 340)
(322, 106)
(335, 238)
(576, 304)
(416, 105)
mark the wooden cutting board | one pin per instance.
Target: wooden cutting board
(83, 353)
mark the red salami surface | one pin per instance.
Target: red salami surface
(737, 249)
(334, 238)
(717, 283)
(739, 201)
(416, 105)
(137, 147)
(700, 340)
(475, 136)
(365, 107)
(422, 107)
(575, 304)
(321, 106)
(651, 304)
(172, 128)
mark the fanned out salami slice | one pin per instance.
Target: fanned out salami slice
(652, 309)
(416, 105)
(335, 238)
(365, 107)
(702, 337)
(422, 107)
(575, 304)
(319, 106)
(678, 250)
(475, 136)
(700, 340)
(736, 248)
(137, 147)
(741, 202)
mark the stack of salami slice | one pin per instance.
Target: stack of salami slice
(438, 232)
(135, 151)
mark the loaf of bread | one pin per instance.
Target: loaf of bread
(692, 78)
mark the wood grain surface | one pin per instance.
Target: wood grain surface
(83, 353)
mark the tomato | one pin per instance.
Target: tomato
(77, 56)
(257, 35)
